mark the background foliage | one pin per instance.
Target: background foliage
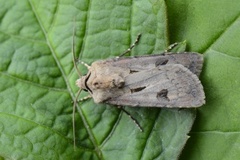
(37, 79)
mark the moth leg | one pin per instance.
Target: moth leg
(83, 63)
(171, 47)
(84, 98)
(132, 46)
(129, 115)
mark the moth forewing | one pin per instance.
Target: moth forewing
(168, 80)
(191, 60)
(165, 86)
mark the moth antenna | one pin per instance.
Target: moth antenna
(79, 91)
(73, 114)
(132, 46)
(134, 120)
(73, 119)
(73, 49)
(171, 47)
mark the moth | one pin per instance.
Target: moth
(158, 80)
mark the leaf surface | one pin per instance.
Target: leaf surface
(37, 84)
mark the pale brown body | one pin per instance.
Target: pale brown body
(169, 80)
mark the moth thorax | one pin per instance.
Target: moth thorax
(107, 82)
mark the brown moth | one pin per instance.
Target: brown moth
(159, 80)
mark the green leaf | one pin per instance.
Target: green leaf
(213, 28)
(37, 84)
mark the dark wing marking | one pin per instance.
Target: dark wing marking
(163, 95)
(164, 86)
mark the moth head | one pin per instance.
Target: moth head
(81, 82)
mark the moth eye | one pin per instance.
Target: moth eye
(163, 95)
(161, 62)
(85, 90)
(137, 89)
